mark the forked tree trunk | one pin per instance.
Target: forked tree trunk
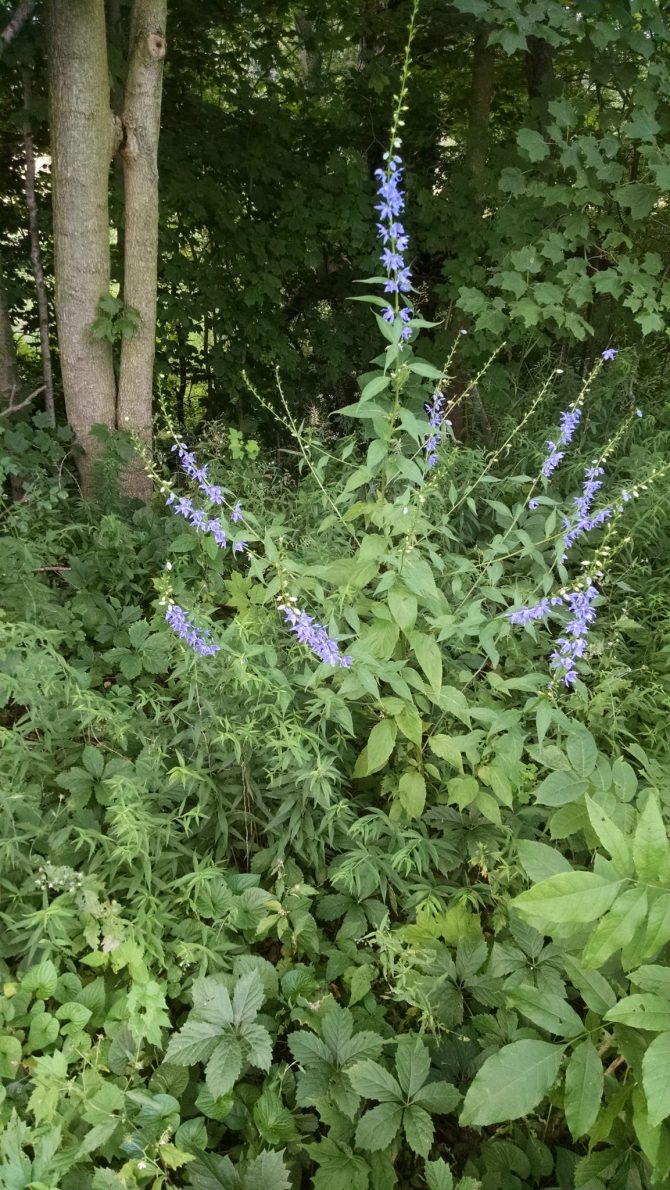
(81, 140)
(139, 151)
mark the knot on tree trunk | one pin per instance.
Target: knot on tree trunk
(156, 46)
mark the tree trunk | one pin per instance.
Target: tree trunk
(36, 255)
(81, 141)
(481, 94)
(16, 23)
(540, 78)
(9, 369)
(139, 151)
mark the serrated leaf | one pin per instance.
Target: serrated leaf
(511, 1083)
(194, 1042)
(336, 1029)
(582, 752)
(372, 1081)
(378, 1127)
(418, 1129)
(248, 997)
(223, 1068)
(612, 839)
(339, 1168)
(438, 1098)
(93, 761)
(427, 652)
(412, 1064)
(532, 144)
(438, 1175)
(412, 793)
(259, 1046)
(583, 1088)
(656, 1080)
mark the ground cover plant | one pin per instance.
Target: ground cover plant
(333, 849)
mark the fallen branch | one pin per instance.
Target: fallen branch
(12, 408)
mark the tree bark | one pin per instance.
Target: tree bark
(540, 78)
(81, 139)
(481, 94)
(9, 369)
(139, 152)
(36, 255)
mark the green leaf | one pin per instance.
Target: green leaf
(379, 747)
(418, 1129)
(194, 1042)
(582, 752)
(427, 652)
(637, 197)
(403, 608)
(223, 1068)
(438, 1098)
(511, 1083)
(259, 1046)
(651, 852)
(412, 793)
(617, 928)
(438, 1175)
(583, 1089)
(267, 1170)
(10, 1056)
(560, 788)
(613, 840)
(532, 144)
(361, 982)
(656, 1078)
(372, 1081)
(41, 980)
(539, 861)
(272, 1119)
(421, 367)
(378, 1127)
(642, 1012)
(339, 1168)
(248, 997)
(568, 897)
(546, 1009)
(374, 387)
(93, 760)
(412, 1064)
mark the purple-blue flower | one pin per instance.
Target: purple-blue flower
(572, 645)
(200, 642)
(610, 352)
(237, 514)
(314, 635)
(391, 231)
(435, 411)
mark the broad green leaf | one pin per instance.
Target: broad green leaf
(427, 652)
(438, 1098)
(418, 1129)
(41, 980)
(337, 1027)
(378, 748)
(455, 703)
(378, 1127)
(532, 144)
(223, 1068)
(438, 1175)
(642, 1012)
(583, 1089)
(339, 1168)
(612, 839)
(412, 1064)
(259, 1045)
(593, 988)
(212, 1003)
(656, 1078)
(511, 1083)
(409, 722)
(421, 367)
(248, 997)
(446, 749)
(616, 929)
(372, 1081)
(374, 387)
(546, 1009)
(92, 759)
(267, 1170)
(539, 861)
(560, 788)
(652, 979)
(412, 793)
(651, 851)
(568, 897)
(194, 1042)
(582, 752)
(403, 608)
